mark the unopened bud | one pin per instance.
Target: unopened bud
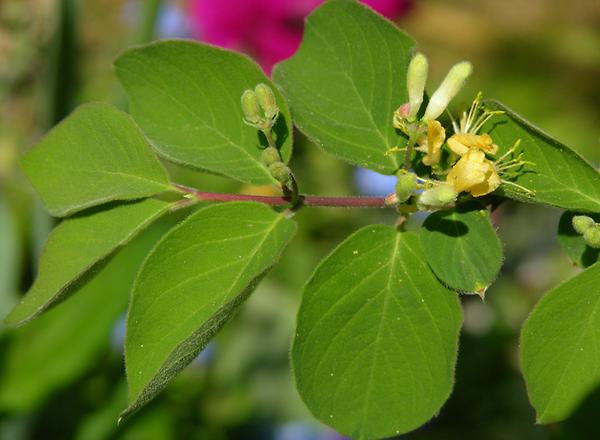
(250, 107)
(270, 155)
(416, 79)
(451, 85)
(266, 100)
(439, 196)
(592, 237)
(280, 172)
(405, 186)
(582, 223)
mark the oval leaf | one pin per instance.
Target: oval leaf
(345, 82)
(462, 247)
(559, 176)
(559, 346)
(573, 243)
(76, 246)
(95, 155)
(186, 97)
(377, 335)
(191, 284)
(60, 346)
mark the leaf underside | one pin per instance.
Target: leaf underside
(76, 247)
(63, 344)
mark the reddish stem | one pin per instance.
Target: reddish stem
(306, 200)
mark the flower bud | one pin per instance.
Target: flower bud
(270, 155)
(250, 107)
(439, 196)
(592, 237)
(451, 85)
(416, 78)
(266, 100)
(280, 172)
(582, 223)
(405, 186)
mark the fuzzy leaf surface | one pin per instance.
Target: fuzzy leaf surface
(376, 342)
(76, 246)
(346, 80)
(191, 284)
(559, 177)
(61, 345)
(462, 247)
(559, 346)
(97, 154)
(186, 97)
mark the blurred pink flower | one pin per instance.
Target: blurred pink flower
(268, 30)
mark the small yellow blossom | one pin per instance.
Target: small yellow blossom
(475, 174)
(461, 143)
(431, 144)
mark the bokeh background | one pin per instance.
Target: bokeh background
(62, 376)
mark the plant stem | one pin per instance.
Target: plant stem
(303, 200)
(291, 192)
(408, 152)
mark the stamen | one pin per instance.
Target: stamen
(393, 150)
(484, 117)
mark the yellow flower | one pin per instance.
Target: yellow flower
(432, 143)
(460, 143)
(474, 173)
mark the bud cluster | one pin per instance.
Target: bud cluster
(589, 229)
(260, 107)
(279, 170)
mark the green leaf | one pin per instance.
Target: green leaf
(559, 346)
(559, 176)
(95, 155)
(377, 336)
(76, 247)
(573, 243)
(57, 348)
(462, 247)
(346, 81)
(186, 97)
(191, 284)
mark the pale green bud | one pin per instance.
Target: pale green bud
(416, 78)
(592, 237)
(280, 172)
(582, 223)
(270, 155)
(405, 186)
(250, 107)
(451, 85)
(266, 100)
(439, 196)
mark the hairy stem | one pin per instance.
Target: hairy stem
(302, 200)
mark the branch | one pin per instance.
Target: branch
(304, 200)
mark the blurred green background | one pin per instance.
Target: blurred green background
(62, 376)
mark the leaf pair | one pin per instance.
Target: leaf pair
(377, 334)
(349, 76)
